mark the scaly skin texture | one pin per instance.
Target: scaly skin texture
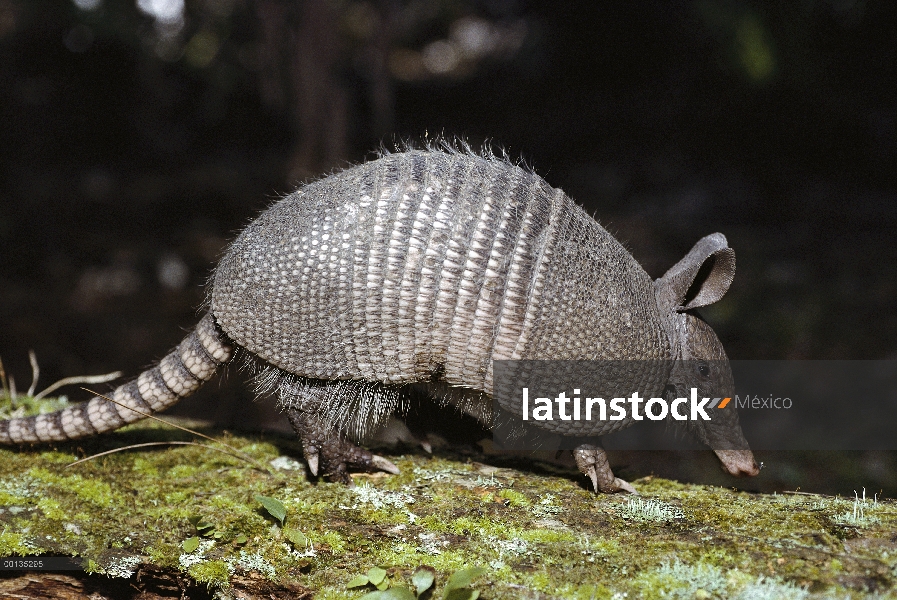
(423, 268)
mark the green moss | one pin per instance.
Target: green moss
(182, 472)
(445, 562)
(51, 508)
(548, 536)
(28, 405)
(603, 546)
(15, 544)
(478, 526)
(334, 541)
(164, 554)
(587, 591)
(7, 499)
(514, 498)
(94, 491)
(213, 573)
(145, 467)
(536, 533)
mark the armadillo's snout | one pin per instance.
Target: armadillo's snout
(738, 463)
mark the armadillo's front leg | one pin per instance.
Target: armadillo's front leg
(329, 453)
(593, 462)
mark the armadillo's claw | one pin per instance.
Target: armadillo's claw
(380, 463)
(592, 473)
(329, 454)
(624, 486)
(311, 457)
(592, 462)
(618, 485)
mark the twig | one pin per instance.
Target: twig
(35, 372)
(144, 445)
(797, 493)
(82, 379)
(12, 389)
(245, 457)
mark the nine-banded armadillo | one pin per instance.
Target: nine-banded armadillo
(422, 267)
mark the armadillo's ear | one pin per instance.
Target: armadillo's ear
(699, 279)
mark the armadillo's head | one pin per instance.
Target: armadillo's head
(699, 279)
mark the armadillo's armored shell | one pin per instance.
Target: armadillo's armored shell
(426, 264)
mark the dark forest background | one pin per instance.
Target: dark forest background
(136, 138)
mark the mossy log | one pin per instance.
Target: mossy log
(187, 521)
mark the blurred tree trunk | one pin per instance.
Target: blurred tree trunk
(306, 65)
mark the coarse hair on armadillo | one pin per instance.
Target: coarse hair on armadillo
(355, 408)
(352, 407)
(489, 150)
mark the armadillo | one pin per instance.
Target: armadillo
(421, 268)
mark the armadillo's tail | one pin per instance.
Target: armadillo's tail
(177, 375)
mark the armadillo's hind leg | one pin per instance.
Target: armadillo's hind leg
(329, 453)
(593, 462)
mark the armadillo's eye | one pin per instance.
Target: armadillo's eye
(703, 369)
